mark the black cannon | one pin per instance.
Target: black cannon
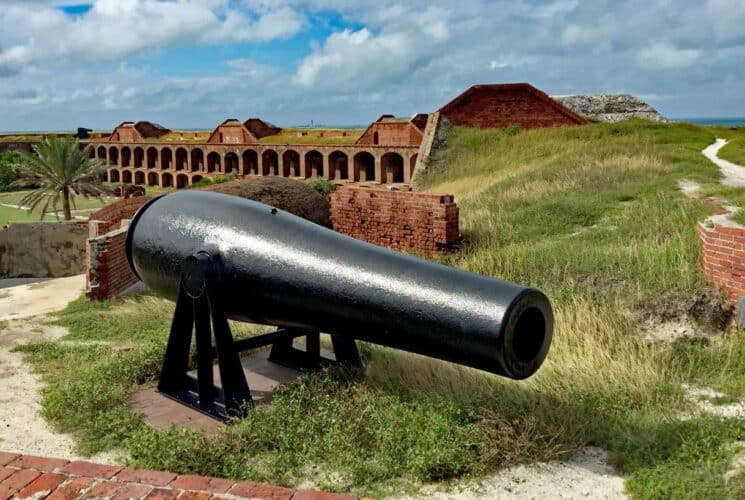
(223, 257)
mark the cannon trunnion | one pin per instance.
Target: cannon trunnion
(220, 257)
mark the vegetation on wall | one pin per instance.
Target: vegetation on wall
(592, 215)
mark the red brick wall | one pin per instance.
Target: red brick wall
(112, 215)
(392, 134)
(501, 107)
(108, 272)
(401, 220)
(724, 258)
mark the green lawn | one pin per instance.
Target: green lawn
(734, 151)
(594, 217)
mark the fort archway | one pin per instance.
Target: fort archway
(139, 177)
(166, 158)
(166, 180)
(338, 166)
(291, 163)
(152, 157)
(182, 158)
(250, 162)
(195, 178)
(214, 162)
(113, 155)
(232, 165)
(139, 155)
(126, 156)
(182, 180)
(269, 160)
(313, 164)
(412, 166)
(113, 175)
(392, 168)
(152, 179)
(197, 160)
(364, 167)
(126, 177)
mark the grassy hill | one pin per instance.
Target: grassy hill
(592, 215)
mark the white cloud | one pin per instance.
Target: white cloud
(664, 55)
(115, 29)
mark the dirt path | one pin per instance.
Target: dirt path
(734, 175)
(23, 304)
(587, 474)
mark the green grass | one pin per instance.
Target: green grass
(331, 136)
(734, 151)
(593, 216)
(8, 214)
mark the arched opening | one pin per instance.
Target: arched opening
(182, 180)
(102, 152)
(412, 165)
(197, 160)
(392, 166)
(126, 156)
(376, 138)
(291, 163)
(269, 160)
(113, 175)
(364, 167)
(166, 180)
(126, 177)
(92, 153)
(113, 156)
(250, 162)
(139, 156)
(166, 158)
(195, 178)
(338, 166)
(214, 162)
(231, 163)
(152, 179)
(181, 158)
(313, 164)
(152, 157)
(139, 177)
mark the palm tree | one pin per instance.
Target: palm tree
(59, 168)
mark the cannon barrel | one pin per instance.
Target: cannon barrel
(279, 269)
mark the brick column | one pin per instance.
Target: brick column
(378, 169)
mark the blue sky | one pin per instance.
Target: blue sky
(193, 63)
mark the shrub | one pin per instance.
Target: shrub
(322, 185)
(512, 130)
(9, 169)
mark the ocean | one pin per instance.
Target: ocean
(723, 122)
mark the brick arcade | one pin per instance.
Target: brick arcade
(145, 153)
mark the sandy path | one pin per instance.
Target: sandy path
(734, 175)
(22, 429)
(587, 474)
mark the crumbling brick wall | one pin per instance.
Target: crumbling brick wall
(724, 258)
(111, 216)
(108, 272)
(424, 223)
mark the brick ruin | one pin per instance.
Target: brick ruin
(422, 223)
(724, 258)
(386, 153)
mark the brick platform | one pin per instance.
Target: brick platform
(26, 476)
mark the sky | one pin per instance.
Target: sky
(194, 63)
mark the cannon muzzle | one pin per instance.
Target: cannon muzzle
(278, 269)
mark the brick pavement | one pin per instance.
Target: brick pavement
(27, 476)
